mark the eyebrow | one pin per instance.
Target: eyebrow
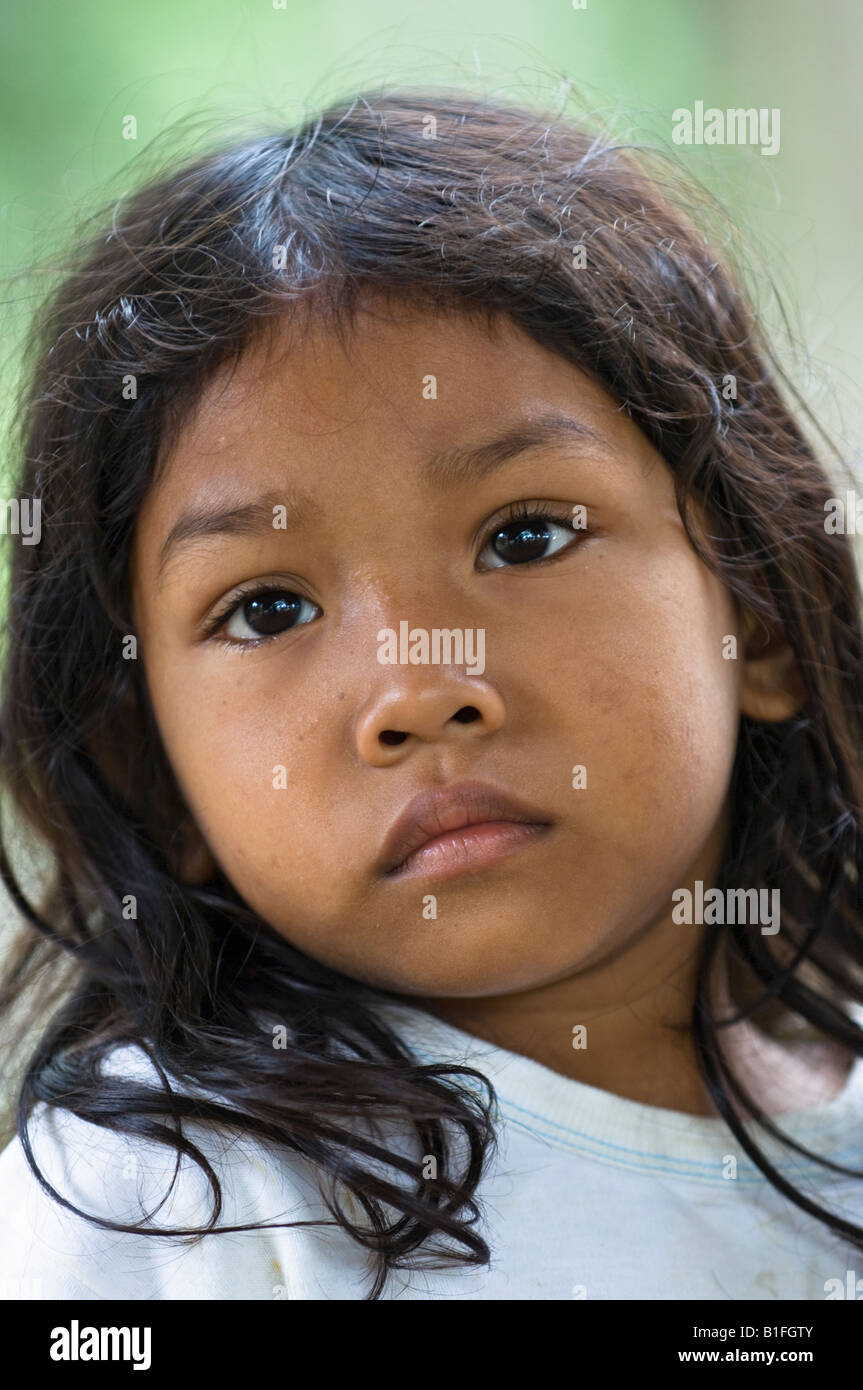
(475, 461)
(455, 465)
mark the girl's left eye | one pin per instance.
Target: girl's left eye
(523, 535)
(271, 610)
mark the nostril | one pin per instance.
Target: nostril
(392, 737)
(467, 714)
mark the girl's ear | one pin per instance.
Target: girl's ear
(771, 686)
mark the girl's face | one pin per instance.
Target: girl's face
(296, 755)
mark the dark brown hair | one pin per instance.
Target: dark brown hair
(465, 205)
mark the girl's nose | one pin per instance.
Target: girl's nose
(426, 707)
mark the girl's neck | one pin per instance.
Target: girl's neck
(641, 1047)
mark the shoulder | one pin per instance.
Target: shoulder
(48, 1251)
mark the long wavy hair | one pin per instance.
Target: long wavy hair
(464, 204)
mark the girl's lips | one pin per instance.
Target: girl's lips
(439, 812)
(468, 849)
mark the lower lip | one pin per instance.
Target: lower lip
(466, 850)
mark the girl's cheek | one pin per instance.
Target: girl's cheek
(653, 698)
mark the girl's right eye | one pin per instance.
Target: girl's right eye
(259, 615)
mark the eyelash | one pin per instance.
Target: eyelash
(513, 512)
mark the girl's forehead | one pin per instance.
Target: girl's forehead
(402, 369)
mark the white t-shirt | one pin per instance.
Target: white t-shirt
(589, 1196)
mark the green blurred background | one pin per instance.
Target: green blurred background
(69, 74)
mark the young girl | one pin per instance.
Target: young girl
(441, 700)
